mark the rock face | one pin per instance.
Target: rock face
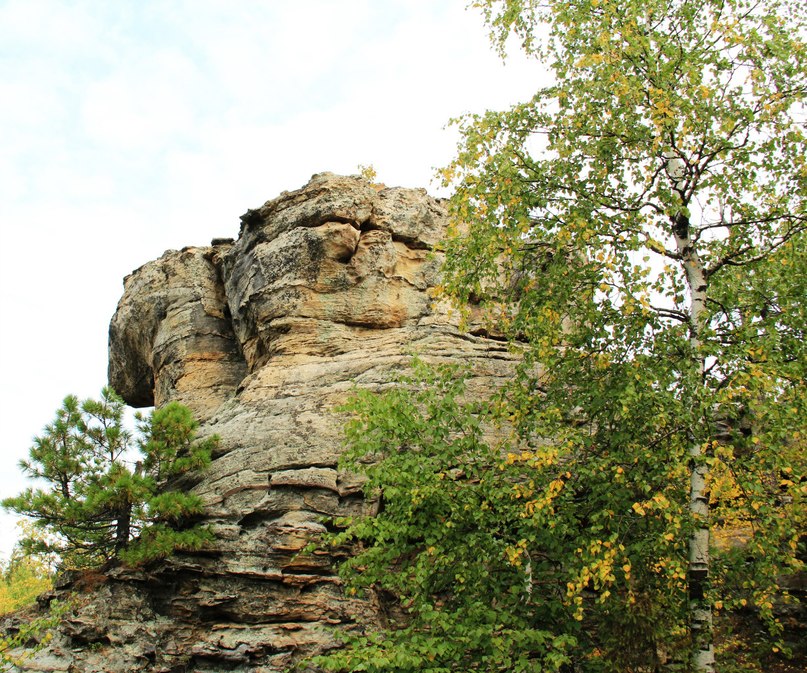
(326, 288)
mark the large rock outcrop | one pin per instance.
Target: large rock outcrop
(325, 288)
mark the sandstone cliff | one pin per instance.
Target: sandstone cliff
(325, 288)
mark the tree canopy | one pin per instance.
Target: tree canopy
(637, 230)
(22, 579)
(95, 505)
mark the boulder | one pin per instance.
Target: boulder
(326, 289)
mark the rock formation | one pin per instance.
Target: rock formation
(326, 288)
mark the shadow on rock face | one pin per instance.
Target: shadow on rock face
(325, 289)
(335, 255)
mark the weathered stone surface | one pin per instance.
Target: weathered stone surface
(171, 337)
(326, 288)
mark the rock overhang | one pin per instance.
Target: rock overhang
(326, 289)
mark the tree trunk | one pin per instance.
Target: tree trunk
(700, 608)
(123, 529)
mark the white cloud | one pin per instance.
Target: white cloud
(129, 128)
(127, 113)
(49, 27)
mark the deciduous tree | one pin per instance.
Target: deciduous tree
(638, 229)
(22, 579)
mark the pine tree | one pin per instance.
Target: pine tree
(95, 506)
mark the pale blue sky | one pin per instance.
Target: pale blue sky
(131, 127)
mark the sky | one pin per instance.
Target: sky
(129, 128)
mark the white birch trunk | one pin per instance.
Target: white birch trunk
(700, 609)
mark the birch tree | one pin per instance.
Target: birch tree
(637, 231)
(641, 207)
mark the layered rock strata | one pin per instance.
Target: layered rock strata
(325, 289)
